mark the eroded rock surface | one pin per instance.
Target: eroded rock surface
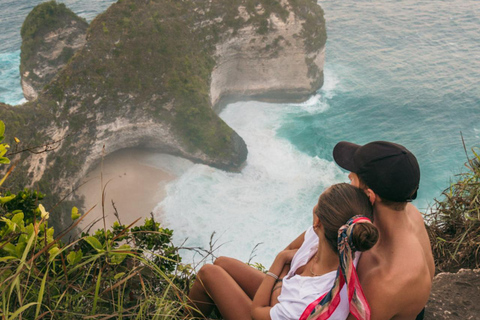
(48, 46)
(275, 66)
(150, 74)
(455, 296)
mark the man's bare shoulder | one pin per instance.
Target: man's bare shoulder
(395, 273)
(415, 215)
(421, 234)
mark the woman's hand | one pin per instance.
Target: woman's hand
(282, 259)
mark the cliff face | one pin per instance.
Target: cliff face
(51, 35)
(150, 73)
(271, 66)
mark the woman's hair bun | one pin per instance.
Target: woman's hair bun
(364, 236)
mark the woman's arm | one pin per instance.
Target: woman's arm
(261, 303)
(277, 288)
(297, 243)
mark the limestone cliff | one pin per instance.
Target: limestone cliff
(51, 35)
(272, 66)
(150, 73)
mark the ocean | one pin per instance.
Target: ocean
(407, 72)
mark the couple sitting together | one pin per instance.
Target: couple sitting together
(366, 256)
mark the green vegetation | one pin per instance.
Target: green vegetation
(44, 17)
(124, 272)
(144, 60)
(119, 272)
(454, 223)
(177, 64)
(314, 30)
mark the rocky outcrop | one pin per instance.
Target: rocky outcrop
(149, 75)
(51, 35)
(455, 296)
(274, 66)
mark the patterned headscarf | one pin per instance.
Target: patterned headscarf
(323, 307)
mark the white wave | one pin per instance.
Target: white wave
(331, 84)
(269, 201)
(318, 103)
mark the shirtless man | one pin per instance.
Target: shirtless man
(396, 274)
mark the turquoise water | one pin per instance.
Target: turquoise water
(408, 72)
(404, 71)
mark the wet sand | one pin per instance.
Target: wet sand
(134, 187)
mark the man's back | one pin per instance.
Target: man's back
(397, 273)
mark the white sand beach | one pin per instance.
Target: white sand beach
(134, 186)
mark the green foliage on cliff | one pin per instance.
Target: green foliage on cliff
(175, 68)
(47, 16)
(119, 272)
(116, 273)
(314, 28)
(454, 224)
(143, 61)
(147, 55)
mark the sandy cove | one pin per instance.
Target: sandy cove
(134, 187)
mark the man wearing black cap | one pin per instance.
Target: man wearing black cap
(396, 274)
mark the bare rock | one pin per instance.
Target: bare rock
(150, 75)
(51, 35)
(455, 296)
(275, 66)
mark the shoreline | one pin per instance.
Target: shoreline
(134, 186)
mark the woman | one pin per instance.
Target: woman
(307, 283)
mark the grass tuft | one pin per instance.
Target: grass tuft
(454, 221)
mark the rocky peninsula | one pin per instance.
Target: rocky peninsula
(51, 35)
(150, 74)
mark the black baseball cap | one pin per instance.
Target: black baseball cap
(387, 168)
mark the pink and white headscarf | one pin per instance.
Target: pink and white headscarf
(323, 307)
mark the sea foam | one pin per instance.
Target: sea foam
(268, 203)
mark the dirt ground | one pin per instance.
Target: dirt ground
(455, 296)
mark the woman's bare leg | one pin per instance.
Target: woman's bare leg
(214, 286)
(248, 278)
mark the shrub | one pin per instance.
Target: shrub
(454, 221)
(120, 272)
(117, 273)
